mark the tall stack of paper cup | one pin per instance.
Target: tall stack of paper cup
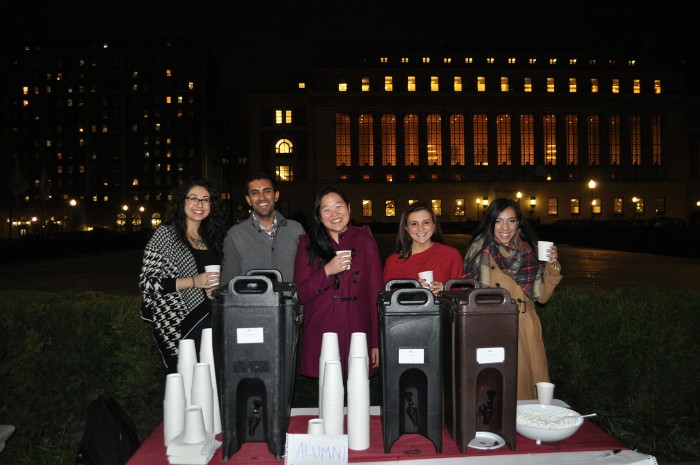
(358, 403)
(358, 346)
(186, 359)
(206, 355)
(203, 395)
(329, 352)
(332, 409)
(174, 405)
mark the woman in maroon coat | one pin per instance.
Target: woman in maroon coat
(339, 292)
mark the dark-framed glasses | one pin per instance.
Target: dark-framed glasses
(194, 199)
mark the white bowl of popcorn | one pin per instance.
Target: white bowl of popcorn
(546, 423)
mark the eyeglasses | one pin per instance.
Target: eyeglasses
(195, 199)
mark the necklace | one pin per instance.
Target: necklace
(198, 244)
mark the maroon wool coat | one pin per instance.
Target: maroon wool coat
(354, 308)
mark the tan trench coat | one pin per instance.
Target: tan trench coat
(532, 358)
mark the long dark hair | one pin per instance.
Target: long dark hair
(484, 230)
(212, 229)
(320, 245)
(404, 241)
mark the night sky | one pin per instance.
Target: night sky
(249, 35)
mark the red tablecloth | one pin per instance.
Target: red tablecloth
(409, 446)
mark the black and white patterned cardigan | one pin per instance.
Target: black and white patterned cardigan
(165, 259)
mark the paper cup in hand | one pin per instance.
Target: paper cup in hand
(543, 250)
(428, 276)
(213, 269)
(545, 392)
(348, 258)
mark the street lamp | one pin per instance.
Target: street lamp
(533, 203)
(73, 203)
(485, 202)
(592, 185)
(519, 196)
(478, 202)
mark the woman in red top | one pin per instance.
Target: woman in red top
(421, 247)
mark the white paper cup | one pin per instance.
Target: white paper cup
(316, 426)
(543, 250)
(349, 256)
(213, 269)
(174, 388)
(194, 425)
(545, 392)
(428, 276)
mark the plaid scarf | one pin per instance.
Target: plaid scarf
(517, 260)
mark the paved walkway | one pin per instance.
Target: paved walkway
(117, 272)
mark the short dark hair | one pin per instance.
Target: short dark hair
(260, 175)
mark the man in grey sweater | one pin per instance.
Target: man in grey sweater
(265, 241)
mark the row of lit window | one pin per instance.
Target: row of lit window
(433, 127)
(504, 84)
(509, 60)
(575, 206)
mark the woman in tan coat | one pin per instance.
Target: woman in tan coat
(503, 253)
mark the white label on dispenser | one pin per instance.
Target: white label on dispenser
(249, 335)
(411, 356)
(490, 355)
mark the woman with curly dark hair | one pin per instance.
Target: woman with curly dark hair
(175, 288)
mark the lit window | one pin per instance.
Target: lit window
(388, 83)
(168, 99)
(426, 60)
(434, 84)
(365, 83)
(469, 60)
(390, 207)
(366, 208)
(572, 85)
(458, 84)
(657, 86)
(190, 85)
(550, 84)
(511, 61)
(528, 85)
(594, 85)
(411, 87)
(342, 86)
(615, 86)
(169, 72)
(636, 86)
(504, 84)
(481, 84)
(447, 60)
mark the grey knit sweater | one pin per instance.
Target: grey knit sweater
(247, 247)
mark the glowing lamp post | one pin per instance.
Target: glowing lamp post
(592, 185)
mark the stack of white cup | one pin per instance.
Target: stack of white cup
(174, 405)
(329, 352)
(206, 355)
(203, 395)
(358, 403)
(186, 359)
(332, 409)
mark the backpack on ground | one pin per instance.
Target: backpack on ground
(110, 436)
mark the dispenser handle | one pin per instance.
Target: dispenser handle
(401, 284)
(250, 285)
(271, 273)
(461, 283)
(489, 296)
(422, 296)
